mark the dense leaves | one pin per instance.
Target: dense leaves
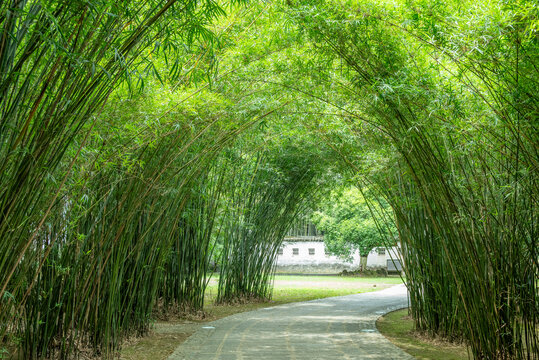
(144, 142)
(348, 225)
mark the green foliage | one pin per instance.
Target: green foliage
(139, 141)
(348, 224)
(266, 192)
(445, 87)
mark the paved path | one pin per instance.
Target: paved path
(334, 328)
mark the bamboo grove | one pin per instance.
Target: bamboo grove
(145, 144)
(461, 111)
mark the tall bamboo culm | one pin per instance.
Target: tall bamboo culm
(266, 193)
(79, 260)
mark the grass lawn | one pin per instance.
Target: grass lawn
(166, 336)
(393, 279)
(397, 326)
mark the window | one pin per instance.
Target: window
(311, 251)
(280, 251)
(295, 251)
(326, 251)
(381, 251)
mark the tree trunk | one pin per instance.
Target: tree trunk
(362, 263)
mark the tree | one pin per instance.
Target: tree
(348, 225)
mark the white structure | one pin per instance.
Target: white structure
(308, 254)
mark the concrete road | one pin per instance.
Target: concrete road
(334, 328)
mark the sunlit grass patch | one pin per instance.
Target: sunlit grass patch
(341, 279)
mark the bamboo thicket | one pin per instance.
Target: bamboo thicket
(464, 186)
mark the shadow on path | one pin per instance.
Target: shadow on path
(333, 328)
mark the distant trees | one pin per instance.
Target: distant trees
(348, 225)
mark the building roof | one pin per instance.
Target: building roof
(318, 238)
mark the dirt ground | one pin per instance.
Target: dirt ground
(161, 342)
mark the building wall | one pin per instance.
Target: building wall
(310, 255)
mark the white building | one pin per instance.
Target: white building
(308, 254)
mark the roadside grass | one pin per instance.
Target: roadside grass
(393, 279)
(398, 327)
(166, 336)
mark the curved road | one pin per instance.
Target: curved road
(333, 328)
